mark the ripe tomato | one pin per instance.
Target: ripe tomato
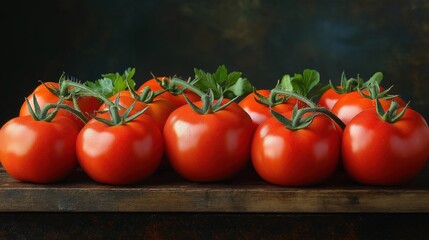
(353, 103)
(208, 147)
(260, 112)
(177, 100)
(123, 154)
(87, 104)
(38, 151)
(296, 157)
(381, 153)
(329, 98)
(159, 109)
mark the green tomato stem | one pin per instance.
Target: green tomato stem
(176, 81)
(44, 113)
(89, 90)
(322, 110)
(295, 95)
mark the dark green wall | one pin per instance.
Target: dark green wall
(263, 39)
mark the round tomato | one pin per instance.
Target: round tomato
(178, 100)
(296, 157)
(260, 112)
(87, 104)
(381, 153)
(38, 151)
(122, 154)
(208, 147)
(353, 103)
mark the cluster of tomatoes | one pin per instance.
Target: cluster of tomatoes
(289, 140)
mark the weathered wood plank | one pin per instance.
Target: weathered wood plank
(167, 192)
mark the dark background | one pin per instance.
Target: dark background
(262, 39)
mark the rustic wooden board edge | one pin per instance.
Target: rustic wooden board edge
(166, 192)
(214, 200)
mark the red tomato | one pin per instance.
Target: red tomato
(177, 100)
(159, 109)
(353, 103)
(381, 153)
(329, 98)
(87, 104)
(38, 151)
(296, 158)
(208, 147)
(123, 154)
(260, 112)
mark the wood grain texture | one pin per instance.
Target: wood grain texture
(167, 192)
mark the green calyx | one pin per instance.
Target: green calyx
(277, 91)
(355, 84)
(146, 96)
(39, 114)
(113, 107)
(375, 93)
(391, 115)
(168, 85)
(298, 121)
(347, 85)
(272, 100)
(63, 91)
(116, 118)
(209, 105)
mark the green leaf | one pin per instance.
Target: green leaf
(303, 84)
(112, 83)
(222, 83)
(310, 79)
(103, 86)
(221, 75)
(377, 77)
(286, 83)
(241, 87)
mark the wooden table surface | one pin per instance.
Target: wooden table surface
(167, 192)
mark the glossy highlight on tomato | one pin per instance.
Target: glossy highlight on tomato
(380, 153)
(122, 154)
(296, 157)
(38, 151)
(208, 147)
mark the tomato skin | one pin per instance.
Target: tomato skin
(353, 103)
(120, 155)
(379, 153)
(87, 104)
(296, 158)
(259, 112)
(177, 100)
(208, 147)
(38, 151)
(329, 98)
